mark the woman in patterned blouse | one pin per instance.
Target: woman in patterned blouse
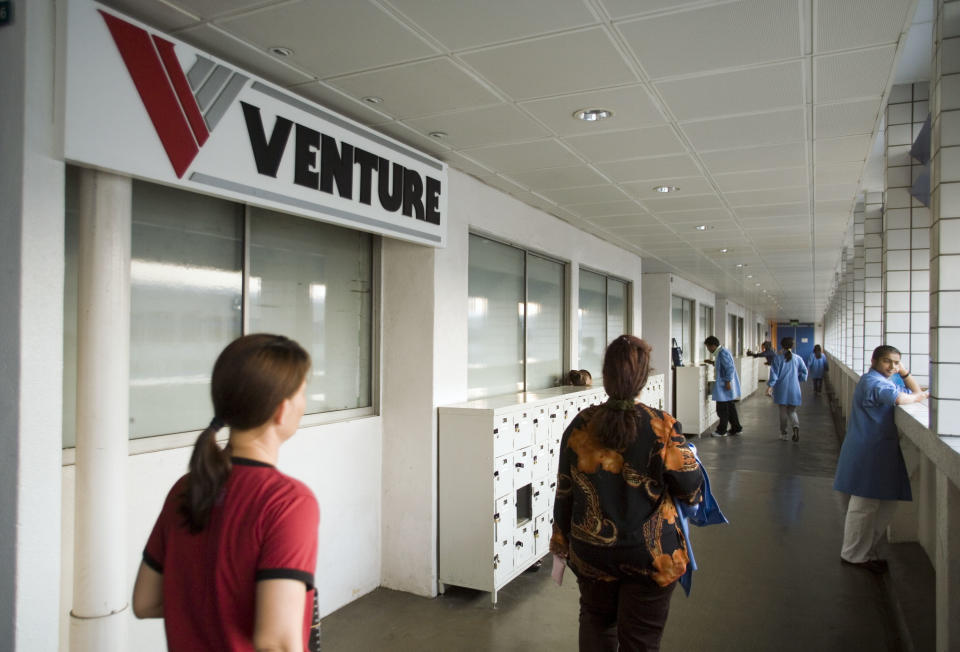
(621, 464)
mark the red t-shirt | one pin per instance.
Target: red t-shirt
(263, 527)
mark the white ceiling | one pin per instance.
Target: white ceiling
(762, 112)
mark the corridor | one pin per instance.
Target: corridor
(770, 580)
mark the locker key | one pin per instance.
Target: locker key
(496, 517)
(536, 533)
(496, 561)
(519, 465)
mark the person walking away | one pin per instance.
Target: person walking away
(621, 466)
(786, 374)
(229, 564)
(817, 367)
(726, 388)
(871, 468)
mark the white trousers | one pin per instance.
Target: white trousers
(788, 412)
(867, 520)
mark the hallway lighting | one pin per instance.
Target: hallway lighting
(592, 115)
(280, 51)
(439, 135)
(739, 264)
(723, 251)
(666, 188)
(701, 227)
(757, 284)
(373, 99)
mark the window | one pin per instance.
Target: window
(603, 315)
(681, 326)
(735, 335)
(706, 330)
(739, 335)
(515, 319)
(190, 255)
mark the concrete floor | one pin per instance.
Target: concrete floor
(770, 580)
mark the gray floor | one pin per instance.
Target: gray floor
(770, 580)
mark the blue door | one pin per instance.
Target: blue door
(802, 338)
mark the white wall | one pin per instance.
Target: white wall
(31, 323)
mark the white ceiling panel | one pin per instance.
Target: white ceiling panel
(601, 209)
(332, 98)
(553, 65)
(632, 220)
(521, 157)
(585, 194)
(782, 178)
(650, 168)
(631, 106)
(685, 186)
(774, 210)
(415, 89)
(411, 137)
(845, 119)
(841, 150)
(765, 197)
(755, 158)
(462, 25)
(323, 36)
(857, 23)
(741, 91)
(559, 177)
(476, 127)
(708, 38)
(663, 204)
(623, 8)
(762, 129)
(708, 216)
(162, 16)
(209, 8)
(836, 192)
(853, 74)
(838, 173)
(618, 145)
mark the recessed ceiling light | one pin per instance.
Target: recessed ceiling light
(723, 251)
(739, 264)
(373, 99)
(280, 51)
(592, 115)
(666, 188)
(757, 284)
(439, 135)
(749, 275)
(701, 227)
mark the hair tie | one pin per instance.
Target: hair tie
(622, 405)
(216, 424)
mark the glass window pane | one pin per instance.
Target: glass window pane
(185, 298)
(676, 323)
(593, 317)
(495, 318)
(312, 282)
(544, 322)
(616, 308)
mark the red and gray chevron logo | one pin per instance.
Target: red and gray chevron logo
(184, 108)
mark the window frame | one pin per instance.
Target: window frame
(692, 325)
(627, 300)
(701, 347)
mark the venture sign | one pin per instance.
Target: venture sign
(144, 105)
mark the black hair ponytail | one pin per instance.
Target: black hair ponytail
(787, 344)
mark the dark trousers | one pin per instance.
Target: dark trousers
(625, 614)
(727, 411)
(818, 385)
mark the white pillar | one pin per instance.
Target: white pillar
(872, 283)
(31, 330)
(101, 586)
(858, 285)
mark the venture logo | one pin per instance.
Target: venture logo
(184, 109)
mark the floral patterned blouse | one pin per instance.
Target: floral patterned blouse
(614, 515)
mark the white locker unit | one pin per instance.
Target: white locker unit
(696, 410)
(498, 478)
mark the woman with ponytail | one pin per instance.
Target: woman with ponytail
(786, 374)
(229, 564)
(615, 522)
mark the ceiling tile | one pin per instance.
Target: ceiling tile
(211, 8)
(761, 129)
(415, 89)
(157, 15)
(559, 177)
(740, 91)
(611, 221)
(696, 202)
(585, 194)
(845, 119)
(601, 209)
(651, 168)
(521, 157)
(846, 25)
(618, 145)
(631, 107)
(461, 25)
(464, 164)
(324, 36)
(405, 134)
(844, 191)
(331, 98)
(229, 48)
(685, 186)
(837, 173)
(702, 216)
(553, 65)
(853, 74)
(774, 210)
(755, 158)
(708, 38)
(621, 8)
(477, 127)
(762, 179)
(764, 197)
(841, 150)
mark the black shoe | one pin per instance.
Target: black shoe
(734, 433)
(796, 434)
(876, 566)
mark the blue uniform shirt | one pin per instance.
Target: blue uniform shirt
(817, 366)
(871, 464)
(726, 371)
(785, 378)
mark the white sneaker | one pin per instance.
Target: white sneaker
(784, 436)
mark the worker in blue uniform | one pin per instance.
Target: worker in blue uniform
(817, 367)
(871, 467)
(786, 374)
(726, 388)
